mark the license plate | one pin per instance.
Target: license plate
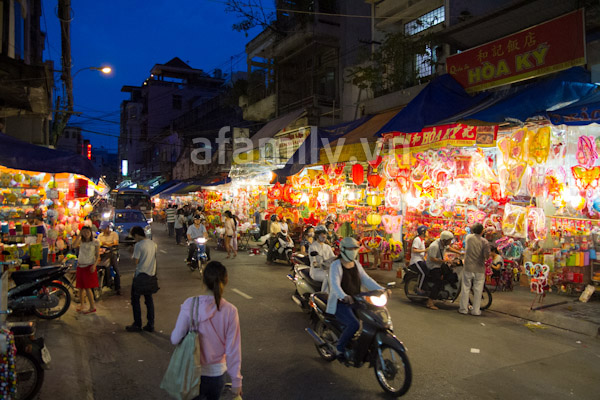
(46, 358)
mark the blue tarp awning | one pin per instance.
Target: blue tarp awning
(162, 187)
(309, 151)
(531, 100)
(443, 97)
(173, 189)
(17, 154)
(583, 112)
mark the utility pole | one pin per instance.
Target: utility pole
(62, 115)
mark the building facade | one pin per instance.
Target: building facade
(25, 80)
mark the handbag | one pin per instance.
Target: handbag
(145, 284)
(182, 378)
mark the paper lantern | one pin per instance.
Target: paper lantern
(374, 219)
(374, 200)
(374, 180)
(358, 174)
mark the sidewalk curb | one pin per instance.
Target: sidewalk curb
(553, 319)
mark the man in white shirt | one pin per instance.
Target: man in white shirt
(435, 259)
(477, 251)
(144, 256)
(417, 255)
(109, 238)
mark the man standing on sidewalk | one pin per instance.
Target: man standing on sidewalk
(171, 212)
(477, 250)
(144, 256)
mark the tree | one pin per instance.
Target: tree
(251, 14)
(392, 66)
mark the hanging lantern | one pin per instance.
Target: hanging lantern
(374, 200)
(358, 174)
(373, 219)
(374, 180)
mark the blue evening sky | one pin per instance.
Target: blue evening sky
(131, 36)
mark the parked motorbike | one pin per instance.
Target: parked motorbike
(281, 250)
(40, 291)
(199, 257)
(106, 272)
(374, 343)
(31, 360)
(452, 279)
(305, 285)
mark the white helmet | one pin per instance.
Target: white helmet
(446, 235)
(349, 249)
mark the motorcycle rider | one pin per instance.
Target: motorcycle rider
(109, 238)
(274, 231)
(346, 276)
(435, 259)
(195, 231)
(324, 253)
(417, 255)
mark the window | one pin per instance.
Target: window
(425, 21)
(424, 63)
(177, 102)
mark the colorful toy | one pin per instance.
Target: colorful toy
(586, 151)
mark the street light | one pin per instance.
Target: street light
(105, 70)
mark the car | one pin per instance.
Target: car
(126, 219)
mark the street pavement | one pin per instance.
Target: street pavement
(494, 356)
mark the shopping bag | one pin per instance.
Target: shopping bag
(182, 378)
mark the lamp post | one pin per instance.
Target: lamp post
(61, 117)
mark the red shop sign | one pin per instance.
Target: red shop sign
(456, 135)
(551, 46)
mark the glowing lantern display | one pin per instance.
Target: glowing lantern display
(358, 174)
(374, 200)
(374, 219)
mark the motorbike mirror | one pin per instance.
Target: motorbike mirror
(314, 253)
(390, 285)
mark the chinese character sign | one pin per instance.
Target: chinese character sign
(549, 47)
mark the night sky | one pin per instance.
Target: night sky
(131, 36)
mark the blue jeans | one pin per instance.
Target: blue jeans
(211, 387)
(346, 316)
(44, 260)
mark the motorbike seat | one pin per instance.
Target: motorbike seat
(320, 300)
(305, 273)
(21, 328)
(29, 275)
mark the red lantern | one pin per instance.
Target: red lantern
(358, 174)
(374, 180)
(374, 163)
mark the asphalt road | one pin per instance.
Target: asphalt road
(453, 356)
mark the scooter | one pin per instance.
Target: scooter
(199, 257)
(282, 250)
(31, 359)
(40, 291)
(452, 280)
(305, 285)
(106, 272)
(374, 343)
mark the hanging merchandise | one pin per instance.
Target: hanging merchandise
(586, 178)
(536, 223)
(358, 174)
(392, 223)
(538, 145)
(514, 223)
(586, 151)
(393, 195)
(8, 374)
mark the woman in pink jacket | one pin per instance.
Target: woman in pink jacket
(219, 333)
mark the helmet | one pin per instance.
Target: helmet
(421, 229)
(104, 225)
(273, 218)
(446, 235)
(199, 216)
(320, 229)
(349, 243)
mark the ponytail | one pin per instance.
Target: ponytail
(215, 279)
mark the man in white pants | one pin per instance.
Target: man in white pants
(477, 250)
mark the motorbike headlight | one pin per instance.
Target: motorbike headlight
(106, 215)
(378, 301)
(201, 240)
(120, 228)
(148, 230)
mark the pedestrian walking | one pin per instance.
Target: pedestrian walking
(171, 214)
(477, 250)
(86, 275)
(219, 333)
(230, 234)
(179, 226)
(144, 256)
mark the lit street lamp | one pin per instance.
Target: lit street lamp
(105, 70)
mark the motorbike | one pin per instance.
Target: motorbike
(106, 272)
(452, 280)
(305, 285)
(374, 343)
(199, 257)
(31, 359)
(281, 250)
(40, 291)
